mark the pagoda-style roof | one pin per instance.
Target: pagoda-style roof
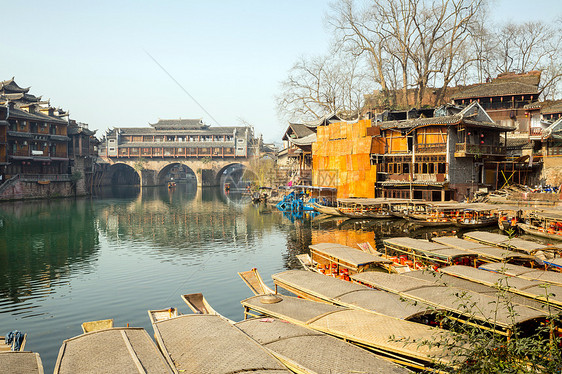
(10, 86)
(473, 115)
(504, 85)
(323, 121)
(35, 116)
(307, 140)
(179, 124)
(20, 97)
(296, 131)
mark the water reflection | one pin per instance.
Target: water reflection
(41, 243)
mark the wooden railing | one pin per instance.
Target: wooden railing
(535, 131)
(479, 149)
(431, 148)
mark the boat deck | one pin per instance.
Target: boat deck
(485, 308)
(384, 334)
(504, 241)
(115, 350)
(524, 287)
(324, 288)
(314, 351)
(21, 363)
(485, 252)
(525, 273)
(203, 343)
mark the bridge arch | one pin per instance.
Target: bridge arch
(176, 171)
(238, 175)
(121, 174)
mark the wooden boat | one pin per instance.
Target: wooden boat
(208, 343)
(514, 244)
(536, 290)
(485, 252)
(544, 224)
(365, 208)
(330, 210)
(20, 362)
(394, 267)
(436, 215)
(97, 325)
(522, 272)
(4, 347)
(474, 217)
(553, 264)
(369, 330)
(342, 261)
(487, 312)
(114, 350)
(418, 252)
(162, 314)
(297, 347)
(198, 304)
(254, 280)
(317, 287)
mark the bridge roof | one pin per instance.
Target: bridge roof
(207, 131)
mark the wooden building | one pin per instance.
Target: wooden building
(33, 135)
(446, 156)
(177, 138)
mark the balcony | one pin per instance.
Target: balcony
(431, 148)
(535, 131)
(464, 150)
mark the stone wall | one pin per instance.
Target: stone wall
(22, 190)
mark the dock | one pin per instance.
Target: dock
(385, 335)
(21, 363)
(488, 311)
(115, 350)
(318, 287)
(206, 343)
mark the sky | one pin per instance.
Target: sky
(93, 58)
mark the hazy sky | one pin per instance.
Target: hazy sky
(90, 57)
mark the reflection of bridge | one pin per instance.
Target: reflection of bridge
(152, 172)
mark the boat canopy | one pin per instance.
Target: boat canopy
(343, 253)
(499, 240)
(368, 329)
(534, 289)
(487, 309)
(482, 250)
(426, 248)
(347, 294)
(205, 343)
(525, 272)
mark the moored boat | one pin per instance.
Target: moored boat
(475, 217)
(333, 211)
(20, 362)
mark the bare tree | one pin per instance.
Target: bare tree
(321, 85)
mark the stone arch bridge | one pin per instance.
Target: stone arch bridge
(153, 172)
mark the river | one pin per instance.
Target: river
(125, 251)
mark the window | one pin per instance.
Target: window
(406, 168)
(431, 168)
(441, 168)
(111, 149)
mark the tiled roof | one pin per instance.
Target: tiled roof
(472, 115)
(18, 113)
(513, 142)
(554, 107)
(300, 130)
(554, 130)
(324, 120)
(206, 131)
(10, 86)
(503, 85)
(173, 124)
